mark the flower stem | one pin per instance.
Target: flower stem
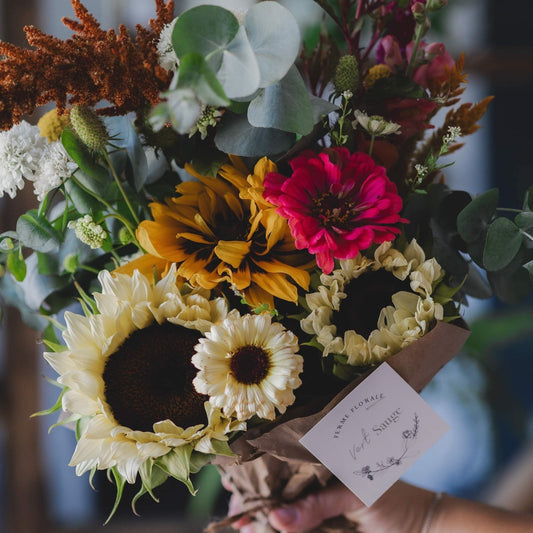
(371, 147)
(418, 37)
(120, 188)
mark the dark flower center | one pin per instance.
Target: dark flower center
(229, 227)
(366, 296)
(149, 378)
(249, 365)
(333, 211)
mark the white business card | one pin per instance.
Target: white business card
(375, 434)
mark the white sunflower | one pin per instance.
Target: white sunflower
(370, 309)
(248, 366)
(127, 374)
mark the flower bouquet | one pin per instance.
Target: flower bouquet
(249, 224)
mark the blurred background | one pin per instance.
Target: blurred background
(485, 394)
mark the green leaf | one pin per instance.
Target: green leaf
(321, 107)
(177, 464)
(504, 240)
(207, 30)
(37, 233)
(120, 482)
(56, 407)
(47, 264)
(83, 201)
(83, 157)
(511, 284)
(221, 447)
(214, 33)
(182, 107)
(275, 40)
(524, 220)
(195, 74)
(16, 265)
(124, 136)
(239, 72)
(474, 219)
(284, 106)
(151, 478)
(235, 135)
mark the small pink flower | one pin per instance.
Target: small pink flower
(437, 63)
(389, 53)
(336, 203)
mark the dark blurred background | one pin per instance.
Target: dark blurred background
(485, 393)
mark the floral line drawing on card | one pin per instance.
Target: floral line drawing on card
(408, 438)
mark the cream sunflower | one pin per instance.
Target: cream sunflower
(369, 309)
(127, 377)
(248, 366)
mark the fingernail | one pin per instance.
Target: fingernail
(286, 515)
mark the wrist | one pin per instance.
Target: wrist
(430, 518)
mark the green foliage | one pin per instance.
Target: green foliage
(35, 231)
(475, 218)
(504, 239)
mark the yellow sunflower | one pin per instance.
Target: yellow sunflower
(127, 376)
(220, 230)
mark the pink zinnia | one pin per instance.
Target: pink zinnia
(336, 203)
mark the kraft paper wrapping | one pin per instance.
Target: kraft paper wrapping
(273, 468)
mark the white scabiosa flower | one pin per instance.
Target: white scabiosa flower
(370, 309)
(20, 152)
(248, 366)
(167, 56)
(128, 375)
(88, 231)
(55, 166)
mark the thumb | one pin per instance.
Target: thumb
(312, 510)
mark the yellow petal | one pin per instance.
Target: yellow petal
(232, 252)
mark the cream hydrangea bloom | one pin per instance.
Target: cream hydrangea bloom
(410, 316)
(88, 367)
(248, 366)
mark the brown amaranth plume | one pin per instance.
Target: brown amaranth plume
(92, 66)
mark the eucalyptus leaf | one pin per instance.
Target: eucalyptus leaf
(37, 233)
(275, 39)
(524, 220)
(284, 106)
(207, 30)
(321, 107)
(513, 283)
(184, 108)
(235, 135)
(83, 157)
(239, 72)
(196, 74)
(504, 240)
(474, 219)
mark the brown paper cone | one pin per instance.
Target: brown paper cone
(272, 466)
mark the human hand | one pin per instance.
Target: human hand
(400, 510)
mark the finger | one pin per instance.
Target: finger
(235, 507)
(312, 510)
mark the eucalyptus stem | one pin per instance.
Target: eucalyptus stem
(120, 188)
